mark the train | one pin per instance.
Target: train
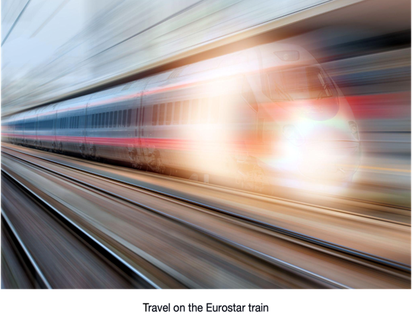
(245, 119)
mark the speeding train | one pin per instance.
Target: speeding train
(244, 119)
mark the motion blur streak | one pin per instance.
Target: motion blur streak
(206, 144)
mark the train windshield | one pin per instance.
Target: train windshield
(301, 83)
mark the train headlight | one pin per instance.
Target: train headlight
(291, 134)
(354, 129)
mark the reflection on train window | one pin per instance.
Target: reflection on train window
(115, 119)
(161, 114)
(194, 112)
(154, 116)
(169, 112)
(185, 114)
(176, 114)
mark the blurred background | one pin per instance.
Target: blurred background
(60, 49)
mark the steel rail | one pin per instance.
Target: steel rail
(256, 196)
(291, 268)
(270, 227)
(40, 278)
(89, 239)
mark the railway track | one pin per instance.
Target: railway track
(256, 196)
(297, 274)
(20, 270)
(59, 254)
(349, 256)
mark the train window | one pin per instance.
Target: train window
(176, 114)
(214, 109)
(93, 120)
(204, 112)
(143, 117)
(195, 112)
(119, 118)
(154, 116)
(319, 84)
(104, 120)
(185, 115)
(137, 117)
(110, 119)
(124, 118)
(99, 121)
(162, 114)
(169, 112)
(129, 117)
(114, 118)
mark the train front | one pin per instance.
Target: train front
(318, 143)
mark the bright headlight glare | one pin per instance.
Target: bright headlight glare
(291, 134)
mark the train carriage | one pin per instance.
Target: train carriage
(243, 119)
